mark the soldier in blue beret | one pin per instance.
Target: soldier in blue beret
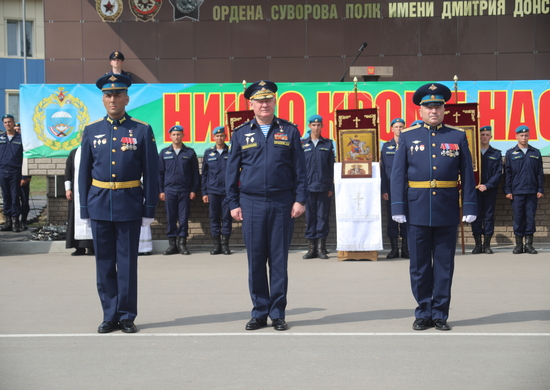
(319, 153)
(424, 192)
(266, 185)
(386, 162)
(491, 174)
(214, 163)
(524, 186)
(11, 161)
(116, 59)
(117, 151)
(179, 182)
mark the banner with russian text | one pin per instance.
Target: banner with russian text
(54, 116)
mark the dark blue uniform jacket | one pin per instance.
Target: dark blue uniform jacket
(425, 155)
(386, 162)
(523, 171)
(11, 153)
(213, 171)
(178, 172)
(491, 168)
(270, 165)
(106, 156)
(320, 164)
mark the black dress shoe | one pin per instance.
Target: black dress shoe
(279, 324)
(256, 323)
(128, 326)
(421, 324)
(441, 325)
(79, 252)
(108, 327)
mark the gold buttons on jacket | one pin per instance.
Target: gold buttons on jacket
(434, 193)
(113, 175)
(434, 168)
(114, 139)
(433, 134)
(116, 128)
(114, 150)
(114, 163)
(434, 156)
(433, 145)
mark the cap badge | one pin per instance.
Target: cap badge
(432, 87)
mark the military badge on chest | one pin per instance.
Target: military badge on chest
(450, 150)
(128, 143)
(281, 138)
(99, 140)
(417, 147)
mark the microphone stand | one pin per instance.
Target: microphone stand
(356, 57)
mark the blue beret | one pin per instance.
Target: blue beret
(432, 94)
(394, 121)
(219, 130)
(8, 116)
(486, 128)
(315, 118)
(263, 89)
(113, 82)
(417, 122)
(175, 128)
(116, 55)
(522, 129)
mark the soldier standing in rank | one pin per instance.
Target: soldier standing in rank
(424, 193)
(266, 158)
(25, 190)
(116, 152)
(524, 186)
(11, 161)
(491, 173)
(386, 162)
(179, 181)
(214, 163)
(115, 60)
(319, 155)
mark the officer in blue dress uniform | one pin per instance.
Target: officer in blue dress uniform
(116, 59)
(386, 162)
(424, 193)
(117, 151)
(319, 153)
(524, 186)
(214, 163)
(491, 173)
(179, 182)
(11, 161)
(266, 158)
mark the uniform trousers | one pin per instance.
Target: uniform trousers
(219, 211)
(432, 253)
(485, 221)
(267, 230)
(178, 208)
(317, 215)
(394, 229)
(24, 196)
(11, 184)
(116, 252)
(525, 207)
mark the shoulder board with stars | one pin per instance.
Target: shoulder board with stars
(288, 122)
(91, 123)
(238, 127)
(412, 127)
(139, 121)
(454, 128)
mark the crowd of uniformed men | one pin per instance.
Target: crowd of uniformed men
(268, 176)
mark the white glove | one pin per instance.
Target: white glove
(469, 218)
(400, 218)
(87, 222)
(146, 221)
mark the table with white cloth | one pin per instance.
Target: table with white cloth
(358, 212)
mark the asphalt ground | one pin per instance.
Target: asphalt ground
(350, 326)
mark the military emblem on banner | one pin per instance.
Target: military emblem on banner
(186, 9)
(145, 10)
(109, 10)
(59, 120)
